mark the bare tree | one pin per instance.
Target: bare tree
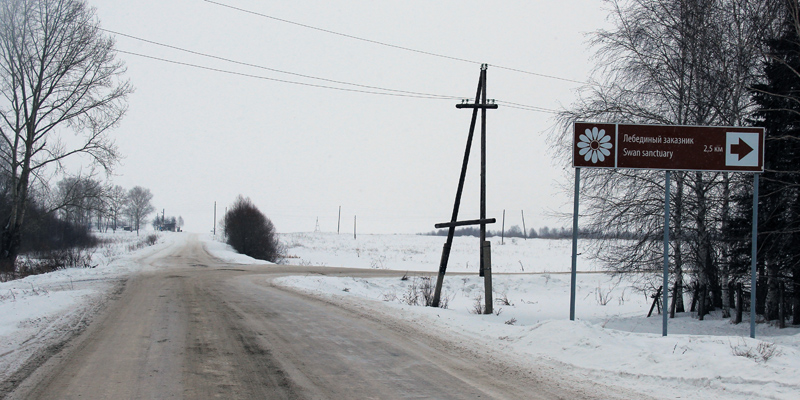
(58, 74)
(116, 200)
(77, 199)
(138, 206)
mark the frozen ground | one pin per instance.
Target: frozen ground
(611, 341)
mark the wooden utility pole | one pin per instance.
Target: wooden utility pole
(503, 229)
(485, 263)
(524, 230)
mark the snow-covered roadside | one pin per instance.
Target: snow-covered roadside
(41, 311)
(226, 253)
(612, 342)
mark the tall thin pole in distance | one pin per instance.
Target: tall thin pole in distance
(665, 284)
(574, 273)
(503, 229)
(354, 226)
(215, 218)
(339, 222)
(753, 253)
(524, 230)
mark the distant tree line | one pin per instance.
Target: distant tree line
(702, 63)
(167, 223)
(542, 233)
(65, 215)
(89, 203)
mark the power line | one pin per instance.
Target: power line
(526, 107)
(391, 45)
(272, 69)
(419, 96)
(385, 93)
(376, 90)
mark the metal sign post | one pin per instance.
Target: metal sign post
(753, 251)
(574, 272)
(665, 284)
(668, 148)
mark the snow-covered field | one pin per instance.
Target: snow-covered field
(611, 341)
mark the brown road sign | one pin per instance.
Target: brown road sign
(668, 147)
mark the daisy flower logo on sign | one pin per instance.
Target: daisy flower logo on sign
(594, 145)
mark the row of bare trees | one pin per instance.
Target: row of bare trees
(90, 203)
(682, 62)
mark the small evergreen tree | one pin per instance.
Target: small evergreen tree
(779, 189)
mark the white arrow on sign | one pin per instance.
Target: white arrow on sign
(741, 149)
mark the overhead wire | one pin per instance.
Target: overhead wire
(525, 107)
(375, 90)
(420, 96)
(243, 10)
(273, 69)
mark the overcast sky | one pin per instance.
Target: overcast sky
(195, 136)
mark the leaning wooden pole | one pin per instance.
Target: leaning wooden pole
(452, 229)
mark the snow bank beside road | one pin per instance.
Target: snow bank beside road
(612, 342)
(226, 253)
(529, 332)
(40, 311)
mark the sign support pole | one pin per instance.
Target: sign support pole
(665, 287)
(574, 273)
(753, 252)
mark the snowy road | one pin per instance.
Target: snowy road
(191, 326)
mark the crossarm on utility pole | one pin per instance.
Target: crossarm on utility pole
(465, 223)
(483, 106)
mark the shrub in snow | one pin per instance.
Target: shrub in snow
(250, 232)
(420, 293)
(50, 261)
(761, 353)
(148, 240)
